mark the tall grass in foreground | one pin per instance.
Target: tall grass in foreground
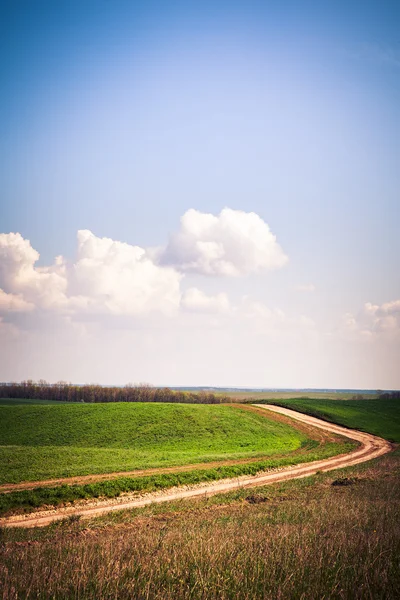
(304, 539)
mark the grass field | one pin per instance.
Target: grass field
(27, 500)
(304, 539)
(378, 416)
(334, 535)
(43, 442)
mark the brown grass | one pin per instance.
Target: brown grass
(299, 540)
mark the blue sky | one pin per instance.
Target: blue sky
(119, 117)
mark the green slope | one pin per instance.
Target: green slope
(40, 442)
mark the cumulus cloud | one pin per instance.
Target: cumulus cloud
(383, 318)
(43, 286)
(122, 277)
(194, 300)
(14, 303)
(374, 320)
(233, 243)
(116, 278)
(108, 276)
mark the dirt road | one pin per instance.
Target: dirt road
(370, 447)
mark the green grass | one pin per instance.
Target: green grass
(302, 539)
(298, 539)
(44, 442)
(378, 416)
(54, 496)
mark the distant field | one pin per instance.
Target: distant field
(271, 395)
(378, 416)
(43, 442)
(18, 401)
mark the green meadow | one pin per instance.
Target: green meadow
(379, 416)
(333, 535)
(50, 441)
(27, 500)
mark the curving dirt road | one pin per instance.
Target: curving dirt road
(370, 447)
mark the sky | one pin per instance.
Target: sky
(200, 193)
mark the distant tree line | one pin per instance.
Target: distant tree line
(390, 395)
(68, 392)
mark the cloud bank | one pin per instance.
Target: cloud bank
(143, 316)
(117, 278)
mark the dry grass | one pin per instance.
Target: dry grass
(304, 539)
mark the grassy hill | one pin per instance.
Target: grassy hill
(46, 441)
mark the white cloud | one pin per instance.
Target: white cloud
(383, 318)
(116, 278)
(108, 276)
(233, 243)
(122, 278)
(43, 286)
(112, 277)
(374, 320)
(194, 300)
(110, 282)
(14, 303)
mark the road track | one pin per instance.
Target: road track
(370, 447)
